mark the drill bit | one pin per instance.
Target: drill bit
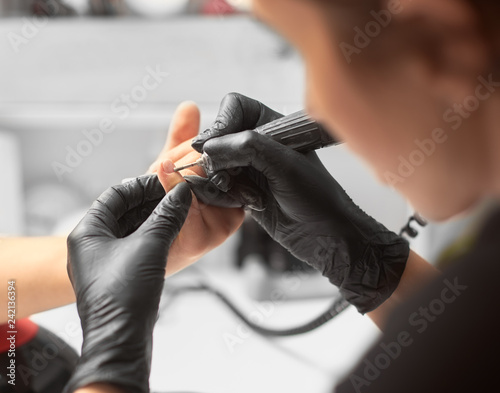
(197, 162)
(185, 166)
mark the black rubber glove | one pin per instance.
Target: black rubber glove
(305, 209)
(116, 262)
(234, 187)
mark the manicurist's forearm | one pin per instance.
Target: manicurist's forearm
(417, 273)
(38, 267)
(100, 388)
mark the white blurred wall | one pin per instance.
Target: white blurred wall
(11, 195)
(65, 79)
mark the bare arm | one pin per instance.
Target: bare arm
(38, 266)
(417, 273)
(100, 388)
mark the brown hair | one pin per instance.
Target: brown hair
(344, 15)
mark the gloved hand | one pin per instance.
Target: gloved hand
(234, 187)
(305, 209)
(116, 263)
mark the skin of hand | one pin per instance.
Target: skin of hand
(206, 227)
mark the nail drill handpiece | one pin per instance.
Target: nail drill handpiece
(297, 131)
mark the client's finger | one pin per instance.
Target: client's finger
(168, 178)
(185, 125)
(183, 128)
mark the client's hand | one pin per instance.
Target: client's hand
(206, 227)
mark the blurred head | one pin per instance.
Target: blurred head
(410, 86)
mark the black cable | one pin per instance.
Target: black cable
(409, 230)
(336, 308)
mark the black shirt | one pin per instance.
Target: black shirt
(446, 338)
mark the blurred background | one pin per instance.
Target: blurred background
(71, 67)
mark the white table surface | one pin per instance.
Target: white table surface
(190, 353)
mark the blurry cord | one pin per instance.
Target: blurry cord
(409, 230)
(336, 308)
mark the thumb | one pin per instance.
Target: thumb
(164, 224)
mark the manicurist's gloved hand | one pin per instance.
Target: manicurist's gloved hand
(302, 206)
(234, 187)
(116, 262)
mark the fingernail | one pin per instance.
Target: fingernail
(168, 166)
(218, 125)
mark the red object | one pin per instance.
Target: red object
(25, 330)
(217, 7)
